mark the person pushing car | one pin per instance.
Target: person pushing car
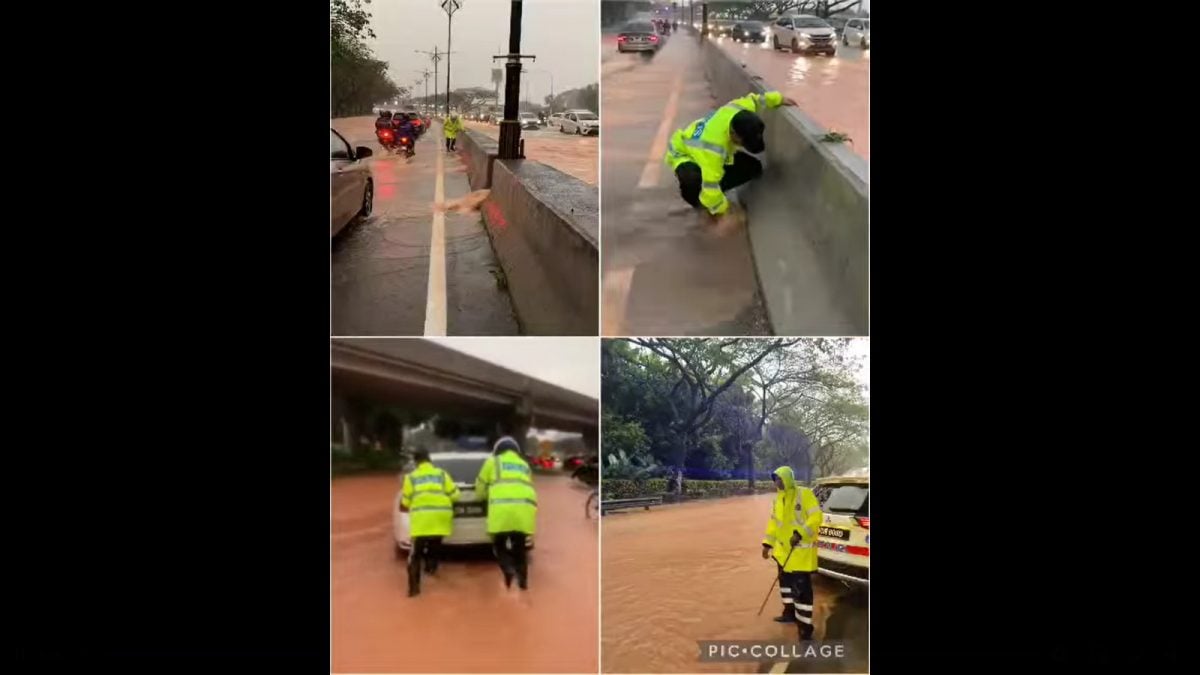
(507, 483)
(791, 539)
(428, 496)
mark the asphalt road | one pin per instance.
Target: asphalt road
(667, 271)
(408, 269)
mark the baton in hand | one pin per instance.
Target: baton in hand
(775, 581)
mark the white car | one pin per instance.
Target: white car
(857, 32)
(804, 34)
(528, 120)
(581, 122)
(844, 541)
(470, 514)
(556, 120)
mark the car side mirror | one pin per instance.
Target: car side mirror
(362, 153)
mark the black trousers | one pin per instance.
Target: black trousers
(744, 169)
(510, 553)
(796, 590)
(450, 143)
(424, 554)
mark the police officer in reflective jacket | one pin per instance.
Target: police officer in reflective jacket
(706, 155)
(428, 496)
(507, 483)
(791, 539)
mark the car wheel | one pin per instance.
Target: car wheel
(845, 41)
(578, 132)
(368, 200)
(795, 46)
(864, 44)
(775, 42)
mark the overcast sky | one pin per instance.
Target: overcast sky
(569, 362)
(563, 34)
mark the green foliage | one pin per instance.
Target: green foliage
(357, 79)
(622, 465)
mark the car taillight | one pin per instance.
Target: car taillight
(864, 521)
(654, 38)
(620, 38)
(858, 550)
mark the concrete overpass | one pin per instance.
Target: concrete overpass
(421, 375)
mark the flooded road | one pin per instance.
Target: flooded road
(667, 270)
(381, 266)
(678, 574)
(464, 620)
(834, 91)
(576, 155)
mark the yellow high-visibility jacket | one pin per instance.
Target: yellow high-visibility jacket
(795, 510)
(451, 127)
(706, 142)
(507, 483)
(429, 494)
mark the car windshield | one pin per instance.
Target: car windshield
(461, 469)
(585, 116)
(528, 115)
(750, 25)
(811, 22)
(638, 27)
(843, 498)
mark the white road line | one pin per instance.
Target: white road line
(654, 162)
(435, 299)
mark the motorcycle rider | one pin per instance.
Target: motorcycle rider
(404, 128)
(384, 121)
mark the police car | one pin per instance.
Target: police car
(470, 514)
(844, 540)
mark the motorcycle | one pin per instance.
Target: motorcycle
(406, 146)
(386, 138)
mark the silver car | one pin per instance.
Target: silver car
(580, 122)
(351, 190)
(638, 36)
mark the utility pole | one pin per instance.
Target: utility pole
(704, 19)
(511, 146)
(425, 73)
(450, 6)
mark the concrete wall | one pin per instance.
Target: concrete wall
(809, 217)
(480, 151)
(544, 227)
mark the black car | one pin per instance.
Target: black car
(749, 31)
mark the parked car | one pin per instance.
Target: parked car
(844, 539)
(749, 31)
(580, 122)
(857, 32)
(720, 28)
(638, 36)
(351, 189)
(470, 513)
(556, 120)
(528, 120)
(804, 34)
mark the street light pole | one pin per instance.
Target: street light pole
(451, 6)
(510, 129)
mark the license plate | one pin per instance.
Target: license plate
(469, 509)
(835, 532)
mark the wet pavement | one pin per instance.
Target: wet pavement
(464, 621)
(834, 91)
(381, 265)
(667, 271)
(669, 582)
(575, 155)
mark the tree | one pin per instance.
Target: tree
(470, 99)
(357, 79)
(703, 370)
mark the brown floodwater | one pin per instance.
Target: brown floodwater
(678, 574)
(464, 621)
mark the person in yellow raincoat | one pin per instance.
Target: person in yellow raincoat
(507, 483)
(451, 127)
(791, 539)
(706, 157)
(428, 495)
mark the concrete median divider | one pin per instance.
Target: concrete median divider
(544, 227)
(809, 217)
(480, 151)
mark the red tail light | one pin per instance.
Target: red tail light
(864, 521)
(654, 38)
(620, 38)
(858, 550)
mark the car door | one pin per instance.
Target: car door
(783, 28)
(569, 123)
(851, 33)
(342, 182)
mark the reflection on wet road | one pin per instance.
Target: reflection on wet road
(576, 155)
(464, 620)
(667, 270)
(381, 266)
(669, 582)
(834, 91)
